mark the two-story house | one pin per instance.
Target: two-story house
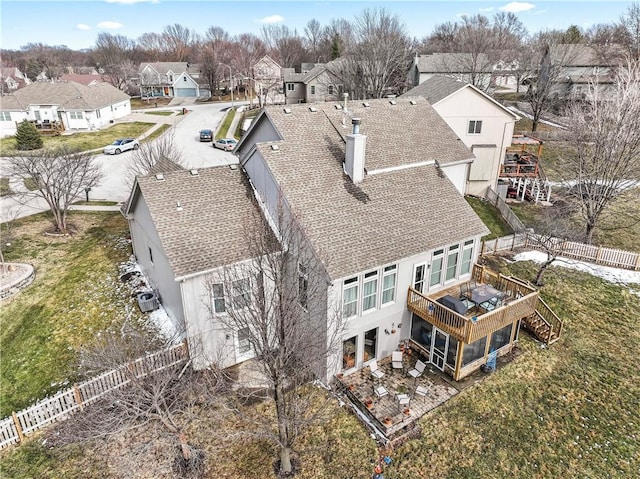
(366, 182)
(171, 79)
(317, 84)
(484, 126)
(59, 106)
(466, 67)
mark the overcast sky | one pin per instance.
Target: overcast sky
(76, 23)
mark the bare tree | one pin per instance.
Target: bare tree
(215, 49)
(288, 45)
(377, 63)
(115, 57)
(158, 156)
(160, 397)
(179, 42)
(630, 20)
(279, 306)
(603, 131)
(60, 176)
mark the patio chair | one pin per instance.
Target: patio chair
(380, 391)
(492, 304)
(403, 400)
(396, 360)
(465, 295)
(421, 391)
(376, 372)
(417, 371)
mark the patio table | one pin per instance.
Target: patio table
(482, 293)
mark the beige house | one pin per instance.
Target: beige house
(315, 85)
(484, 126)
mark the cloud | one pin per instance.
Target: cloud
(488, 9)
(109, 25)
(516, 7)
(272, 19)
(82, 26)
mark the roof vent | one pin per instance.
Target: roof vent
(392, 102)
(366, 104)
(233, 166)
(313, 108)
(287, 110)
(413, 102)
(160, 177)
(178, 206)
(338, 107)
(193, 172)
(275, 147)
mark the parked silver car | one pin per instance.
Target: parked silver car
(226, 144)
(120, 145)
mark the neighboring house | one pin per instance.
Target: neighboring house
(483, 125)
(369, 188)
(83, 79)
(581, 65)
(465, 67)
(507, 74)
(172, 79)
(11, 79)
(59, 106)
(267, 75)
(317, 84)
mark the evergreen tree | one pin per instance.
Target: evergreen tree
(27, 136)
(335, 47)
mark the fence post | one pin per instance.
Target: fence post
(637, 267)
(598, 254)
(16, 423)
(78, 396)
(513, 242)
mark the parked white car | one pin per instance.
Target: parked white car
(120, 145)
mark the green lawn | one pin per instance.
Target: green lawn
(223, 131)
(491, 217)
(83, 141)
(76, 294)
(159, 112)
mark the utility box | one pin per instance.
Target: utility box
(148, 302)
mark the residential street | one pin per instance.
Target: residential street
(114, 187)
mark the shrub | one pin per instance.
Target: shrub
(27, 137)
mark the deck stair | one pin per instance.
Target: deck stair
(544, 324)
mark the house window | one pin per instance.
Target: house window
(75, 115)
(436, 267)
(241, 293)
(330, 89)
(349, 353)
(473, 351)
(389, 284)
(418, 277)
(217, 295)
(184, 79)
(500, 338)
(98, 114)
(5, 116)
(303, 285)
(370, 341)
(244, 343)
(350, 298)
(313, 89)
(369, 291)
(150, 255)
(452, 351)
(37, 115)
(467, 255)
(452, 262)
(475, 127)
(290, 86)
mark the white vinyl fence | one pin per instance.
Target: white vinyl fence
(64, 403)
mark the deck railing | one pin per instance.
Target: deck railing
(552, 320)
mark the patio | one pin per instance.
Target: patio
(360, 385)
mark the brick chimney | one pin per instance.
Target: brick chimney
(354, 156)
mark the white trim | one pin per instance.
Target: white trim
(403, 167)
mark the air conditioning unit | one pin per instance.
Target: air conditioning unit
(148, 302)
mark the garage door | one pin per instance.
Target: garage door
(185, 92)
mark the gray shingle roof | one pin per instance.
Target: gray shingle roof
(67, 95)
(387, 217)
(435, 88)
(452, 63)
(209, 232)
(175, 67)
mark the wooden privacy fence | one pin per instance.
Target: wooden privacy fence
(569, 249)
(509, 216)
(61, 405)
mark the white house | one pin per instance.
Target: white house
(484, 126)
(63, 106)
